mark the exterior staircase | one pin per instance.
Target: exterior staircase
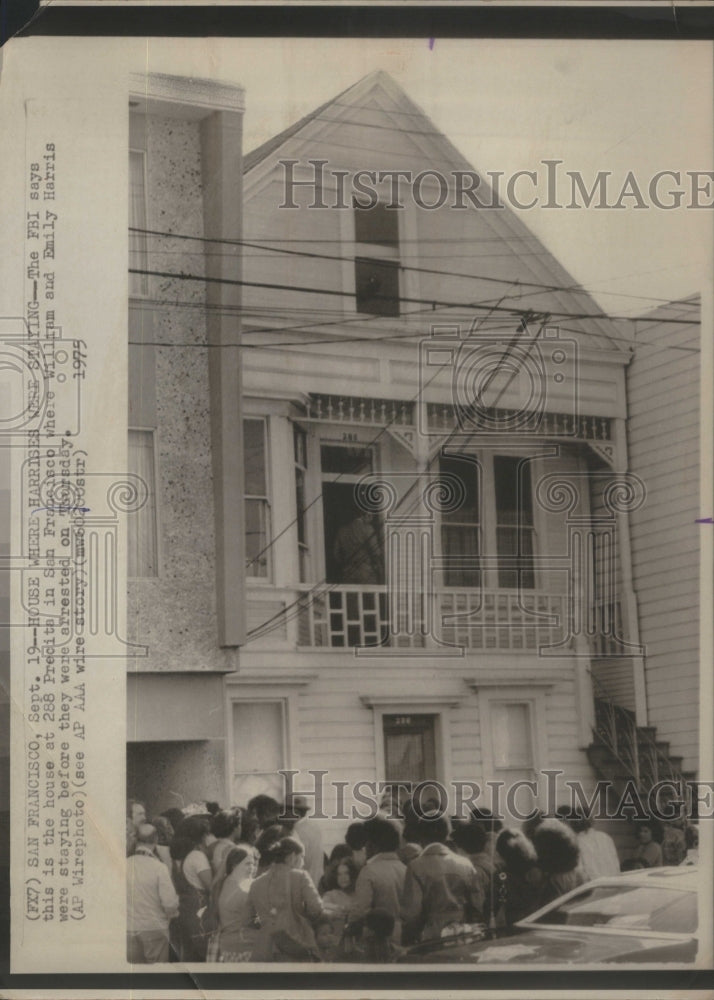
(631, 757)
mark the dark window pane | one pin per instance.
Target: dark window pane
(378, 225)
(256, 537)
(347, 461)
(377, 287)
(300, 503)
(467, 473)
(506, 473)
(254, 457)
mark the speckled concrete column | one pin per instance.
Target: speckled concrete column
(221, 142)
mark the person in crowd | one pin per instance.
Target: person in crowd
(471, 841)
(338, 852)
(356, 839)
(408, 851)
(440, 887)
(249, 829)
(271, 835)
(531, 824)
(556, 847)
(175, 817)
(340, 881)
(135, 817)
(381, 881)
(492, 827)
(151, 901)
(225, 827)
(265, 809)
(236, 935)
(378, 937)
(598, 854)
(691, 840)
(163, 845)
(308, 833)
(287, 904)
(192, 878)
(518, 882)
(674, 845)
(328, 939)
(649, 835)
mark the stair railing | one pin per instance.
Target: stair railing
(632, 746)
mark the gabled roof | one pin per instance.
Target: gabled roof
(567, 297)
(261, 152)
(258, 154)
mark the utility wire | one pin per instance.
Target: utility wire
(434, 302)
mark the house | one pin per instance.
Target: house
(436, 495)
(664, 447)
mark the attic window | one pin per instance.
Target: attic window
(376, 259)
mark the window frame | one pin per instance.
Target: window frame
(475, 460)
(534, 698)
(267, 577)
(145, 291)
(366, 251)
(265, 687)
(304, 553)
(522, 460)
(154, 436)
(254, 699)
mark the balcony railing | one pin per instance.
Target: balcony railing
(496, 620)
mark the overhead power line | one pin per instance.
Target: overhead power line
(433, 302)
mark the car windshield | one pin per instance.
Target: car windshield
(642, 908)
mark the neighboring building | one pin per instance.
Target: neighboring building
(359, 364)
(664, 406)
(184, 406)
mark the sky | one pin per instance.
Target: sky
(508, 105)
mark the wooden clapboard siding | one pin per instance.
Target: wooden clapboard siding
(663, 438)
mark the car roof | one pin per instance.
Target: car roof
(677, 877)
(682, 878)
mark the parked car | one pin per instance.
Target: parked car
(643, 916)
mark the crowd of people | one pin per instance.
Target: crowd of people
(253, 884)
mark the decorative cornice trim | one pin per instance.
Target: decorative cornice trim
(187, 91)
(288, 679)
(419, 700)
(521, 678)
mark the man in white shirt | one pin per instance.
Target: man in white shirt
(151, 901)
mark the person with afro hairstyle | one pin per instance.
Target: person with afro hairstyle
(381, 882)
(556, 847)
(518, 883)
(356, 840)
(471, 841)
